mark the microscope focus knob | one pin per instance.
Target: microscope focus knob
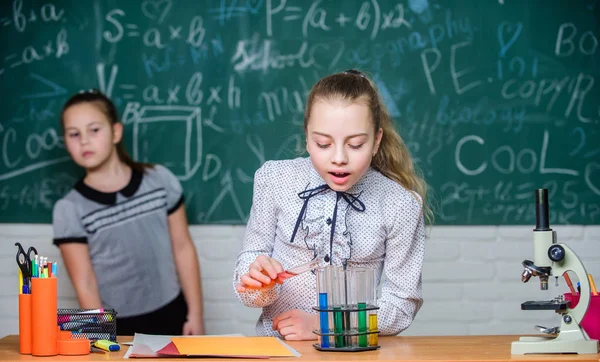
(556, 253)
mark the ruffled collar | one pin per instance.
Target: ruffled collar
(311, 214)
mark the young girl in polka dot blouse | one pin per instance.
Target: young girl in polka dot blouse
(356, 201)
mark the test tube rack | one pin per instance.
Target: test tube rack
(347, 336)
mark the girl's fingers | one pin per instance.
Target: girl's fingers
(263, 273)
(248, 281)
(277, 267)
(271, 266)
(260, 275)
(263, 265)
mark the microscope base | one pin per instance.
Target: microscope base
(553, 345)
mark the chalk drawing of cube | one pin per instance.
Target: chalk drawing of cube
(170, 136)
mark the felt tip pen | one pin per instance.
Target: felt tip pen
(569, 283)
(21, 282)
(90, 329)
(86, 327)
(592, 285)
(92, 311)
(107, 345)
(35, 267)
(78, 323)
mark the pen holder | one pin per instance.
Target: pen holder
(591, 320)
(44, 335)
(89, 324)
(68, 346)
(347, 309)
(25, 323)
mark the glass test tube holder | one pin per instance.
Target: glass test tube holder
(342, 335)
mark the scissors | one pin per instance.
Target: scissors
(24, 261)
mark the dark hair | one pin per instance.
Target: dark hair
(393, 158)
(106, 106)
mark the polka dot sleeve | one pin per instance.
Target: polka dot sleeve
(401, 295)
(258, 238)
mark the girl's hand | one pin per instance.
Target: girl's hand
(296, 325)
(193, 326)
(262, 274)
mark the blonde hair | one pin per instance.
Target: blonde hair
(393, 158)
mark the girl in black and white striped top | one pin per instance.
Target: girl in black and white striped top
(122, 231)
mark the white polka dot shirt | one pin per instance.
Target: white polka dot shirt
(383, 229)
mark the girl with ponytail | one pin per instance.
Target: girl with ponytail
(357, 201)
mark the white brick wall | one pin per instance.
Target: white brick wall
(471, 278)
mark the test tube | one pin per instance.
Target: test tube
(324, 291)
(373, 340)
(338, 304)
(372, 302)
(347, 301)
(362, 280)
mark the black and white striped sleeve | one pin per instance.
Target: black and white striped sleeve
(67, 224)
(173, 187)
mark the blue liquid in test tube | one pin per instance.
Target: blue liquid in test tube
(324, 320)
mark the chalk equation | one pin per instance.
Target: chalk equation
(491, 103)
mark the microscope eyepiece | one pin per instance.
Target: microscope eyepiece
(542, 220)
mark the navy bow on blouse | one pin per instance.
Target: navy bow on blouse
(306, 195)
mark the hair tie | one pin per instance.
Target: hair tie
(354, 72)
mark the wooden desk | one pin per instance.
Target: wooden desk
(447, 348)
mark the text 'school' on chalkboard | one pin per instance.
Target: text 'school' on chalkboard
(494, 98)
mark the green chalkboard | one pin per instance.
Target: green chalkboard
(494, 98)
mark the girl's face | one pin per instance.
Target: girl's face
(89, 136)
(341, 141)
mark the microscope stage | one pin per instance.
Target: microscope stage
(545, 305)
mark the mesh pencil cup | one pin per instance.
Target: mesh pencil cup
(346, 301)
(89, 323)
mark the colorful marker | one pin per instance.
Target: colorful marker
(107, 345)
(569, 283)
(64, 318)
(20, 281)
(592, 285)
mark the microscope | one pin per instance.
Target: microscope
(555, 259)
